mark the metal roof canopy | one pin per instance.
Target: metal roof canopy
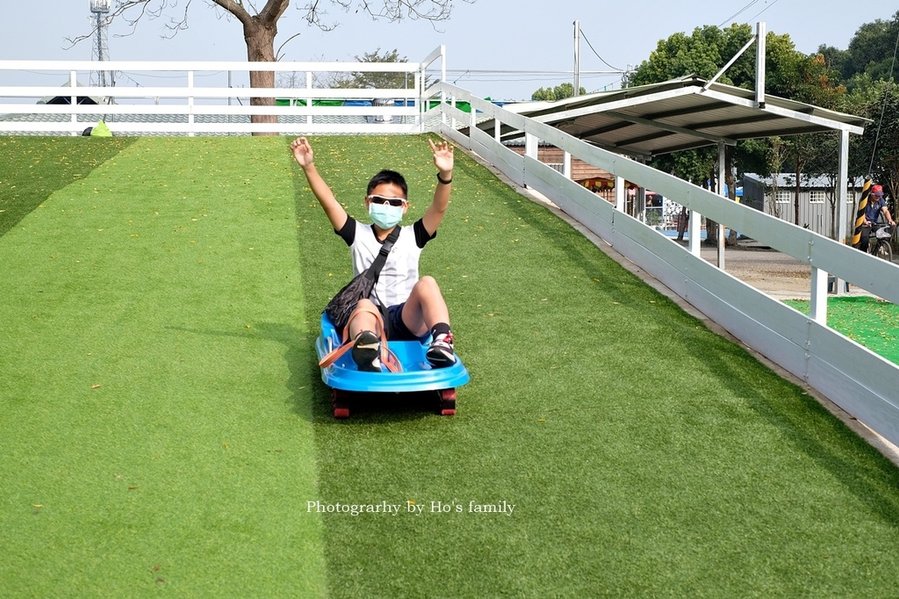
(680, 114)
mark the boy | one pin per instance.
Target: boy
(413, 307)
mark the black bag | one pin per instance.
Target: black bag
(342, 305)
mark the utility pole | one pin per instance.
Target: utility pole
(577, 58)
(101, 48)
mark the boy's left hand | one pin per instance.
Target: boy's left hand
(443, 155)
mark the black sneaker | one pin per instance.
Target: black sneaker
(367, 352)
(440, 353)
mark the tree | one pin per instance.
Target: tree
(776, 158)
(260, 26)
(876, 153)
(559, 92)
(374, 80)
(871, 50)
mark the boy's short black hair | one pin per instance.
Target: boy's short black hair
(388, 176)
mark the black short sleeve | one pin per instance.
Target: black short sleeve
(421, 234)
(348, 232)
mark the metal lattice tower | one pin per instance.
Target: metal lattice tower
(100, 8)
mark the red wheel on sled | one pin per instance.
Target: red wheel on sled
(447, 399)
(340, 408)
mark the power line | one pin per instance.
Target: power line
(755, 16)
(597, 53)
(736, 14)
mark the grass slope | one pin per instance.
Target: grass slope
(153, 430)
(164, 427)
(35, 167)
(644, 455)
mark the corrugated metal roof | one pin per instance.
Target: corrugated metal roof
(678, 115)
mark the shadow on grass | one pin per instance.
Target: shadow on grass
(60, 160)
(302, 363)
(807, 425)
(581, 252)
(804, 423)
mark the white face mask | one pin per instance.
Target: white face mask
(385, 216)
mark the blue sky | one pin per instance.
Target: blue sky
(487, 35)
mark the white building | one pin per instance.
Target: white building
(776, 195)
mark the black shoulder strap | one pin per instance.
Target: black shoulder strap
(374, 271)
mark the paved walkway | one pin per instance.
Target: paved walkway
(777, 274)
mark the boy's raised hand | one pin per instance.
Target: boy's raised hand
(443, 155)
(302, 152)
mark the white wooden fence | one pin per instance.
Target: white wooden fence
(194, 102)
(862, 383)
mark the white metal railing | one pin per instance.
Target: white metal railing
(861, 382)
(190, 105)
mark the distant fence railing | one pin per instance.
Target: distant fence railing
(194, 102)
(859, 381)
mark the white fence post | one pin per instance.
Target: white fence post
(620, 193)
(73, 81)
(309, 97)
(190, 103)
(818, 299)
(722, 191)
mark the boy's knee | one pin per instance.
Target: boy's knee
(366, 304)
(429, 283)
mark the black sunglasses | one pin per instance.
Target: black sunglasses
(397, 202)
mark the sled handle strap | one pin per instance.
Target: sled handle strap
(334, 355)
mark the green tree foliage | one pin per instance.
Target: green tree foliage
(559, 92)
(375, 80)
(868, 70)
(702, 53)
(871, 52)
(876, 153)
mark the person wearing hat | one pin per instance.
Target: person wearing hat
(875, 207)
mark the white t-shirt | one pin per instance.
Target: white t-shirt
(400, 272)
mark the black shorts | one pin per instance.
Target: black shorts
(396, 328)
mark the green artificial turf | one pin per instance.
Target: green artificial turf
(164, 426)
(868, 321)
(34, 167)
(154, 429)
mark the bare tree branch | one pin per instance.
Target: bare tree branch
(391, 10)
(236, 9)
(273, 11)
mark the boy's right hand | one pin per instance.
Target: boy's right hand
(302, 152)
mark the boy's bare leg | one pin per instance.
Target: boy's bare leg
(364, 320)
(425, 307)
(364, 331)
(426, 312)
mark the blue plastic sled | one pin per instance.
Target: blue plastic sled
(416, 376)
